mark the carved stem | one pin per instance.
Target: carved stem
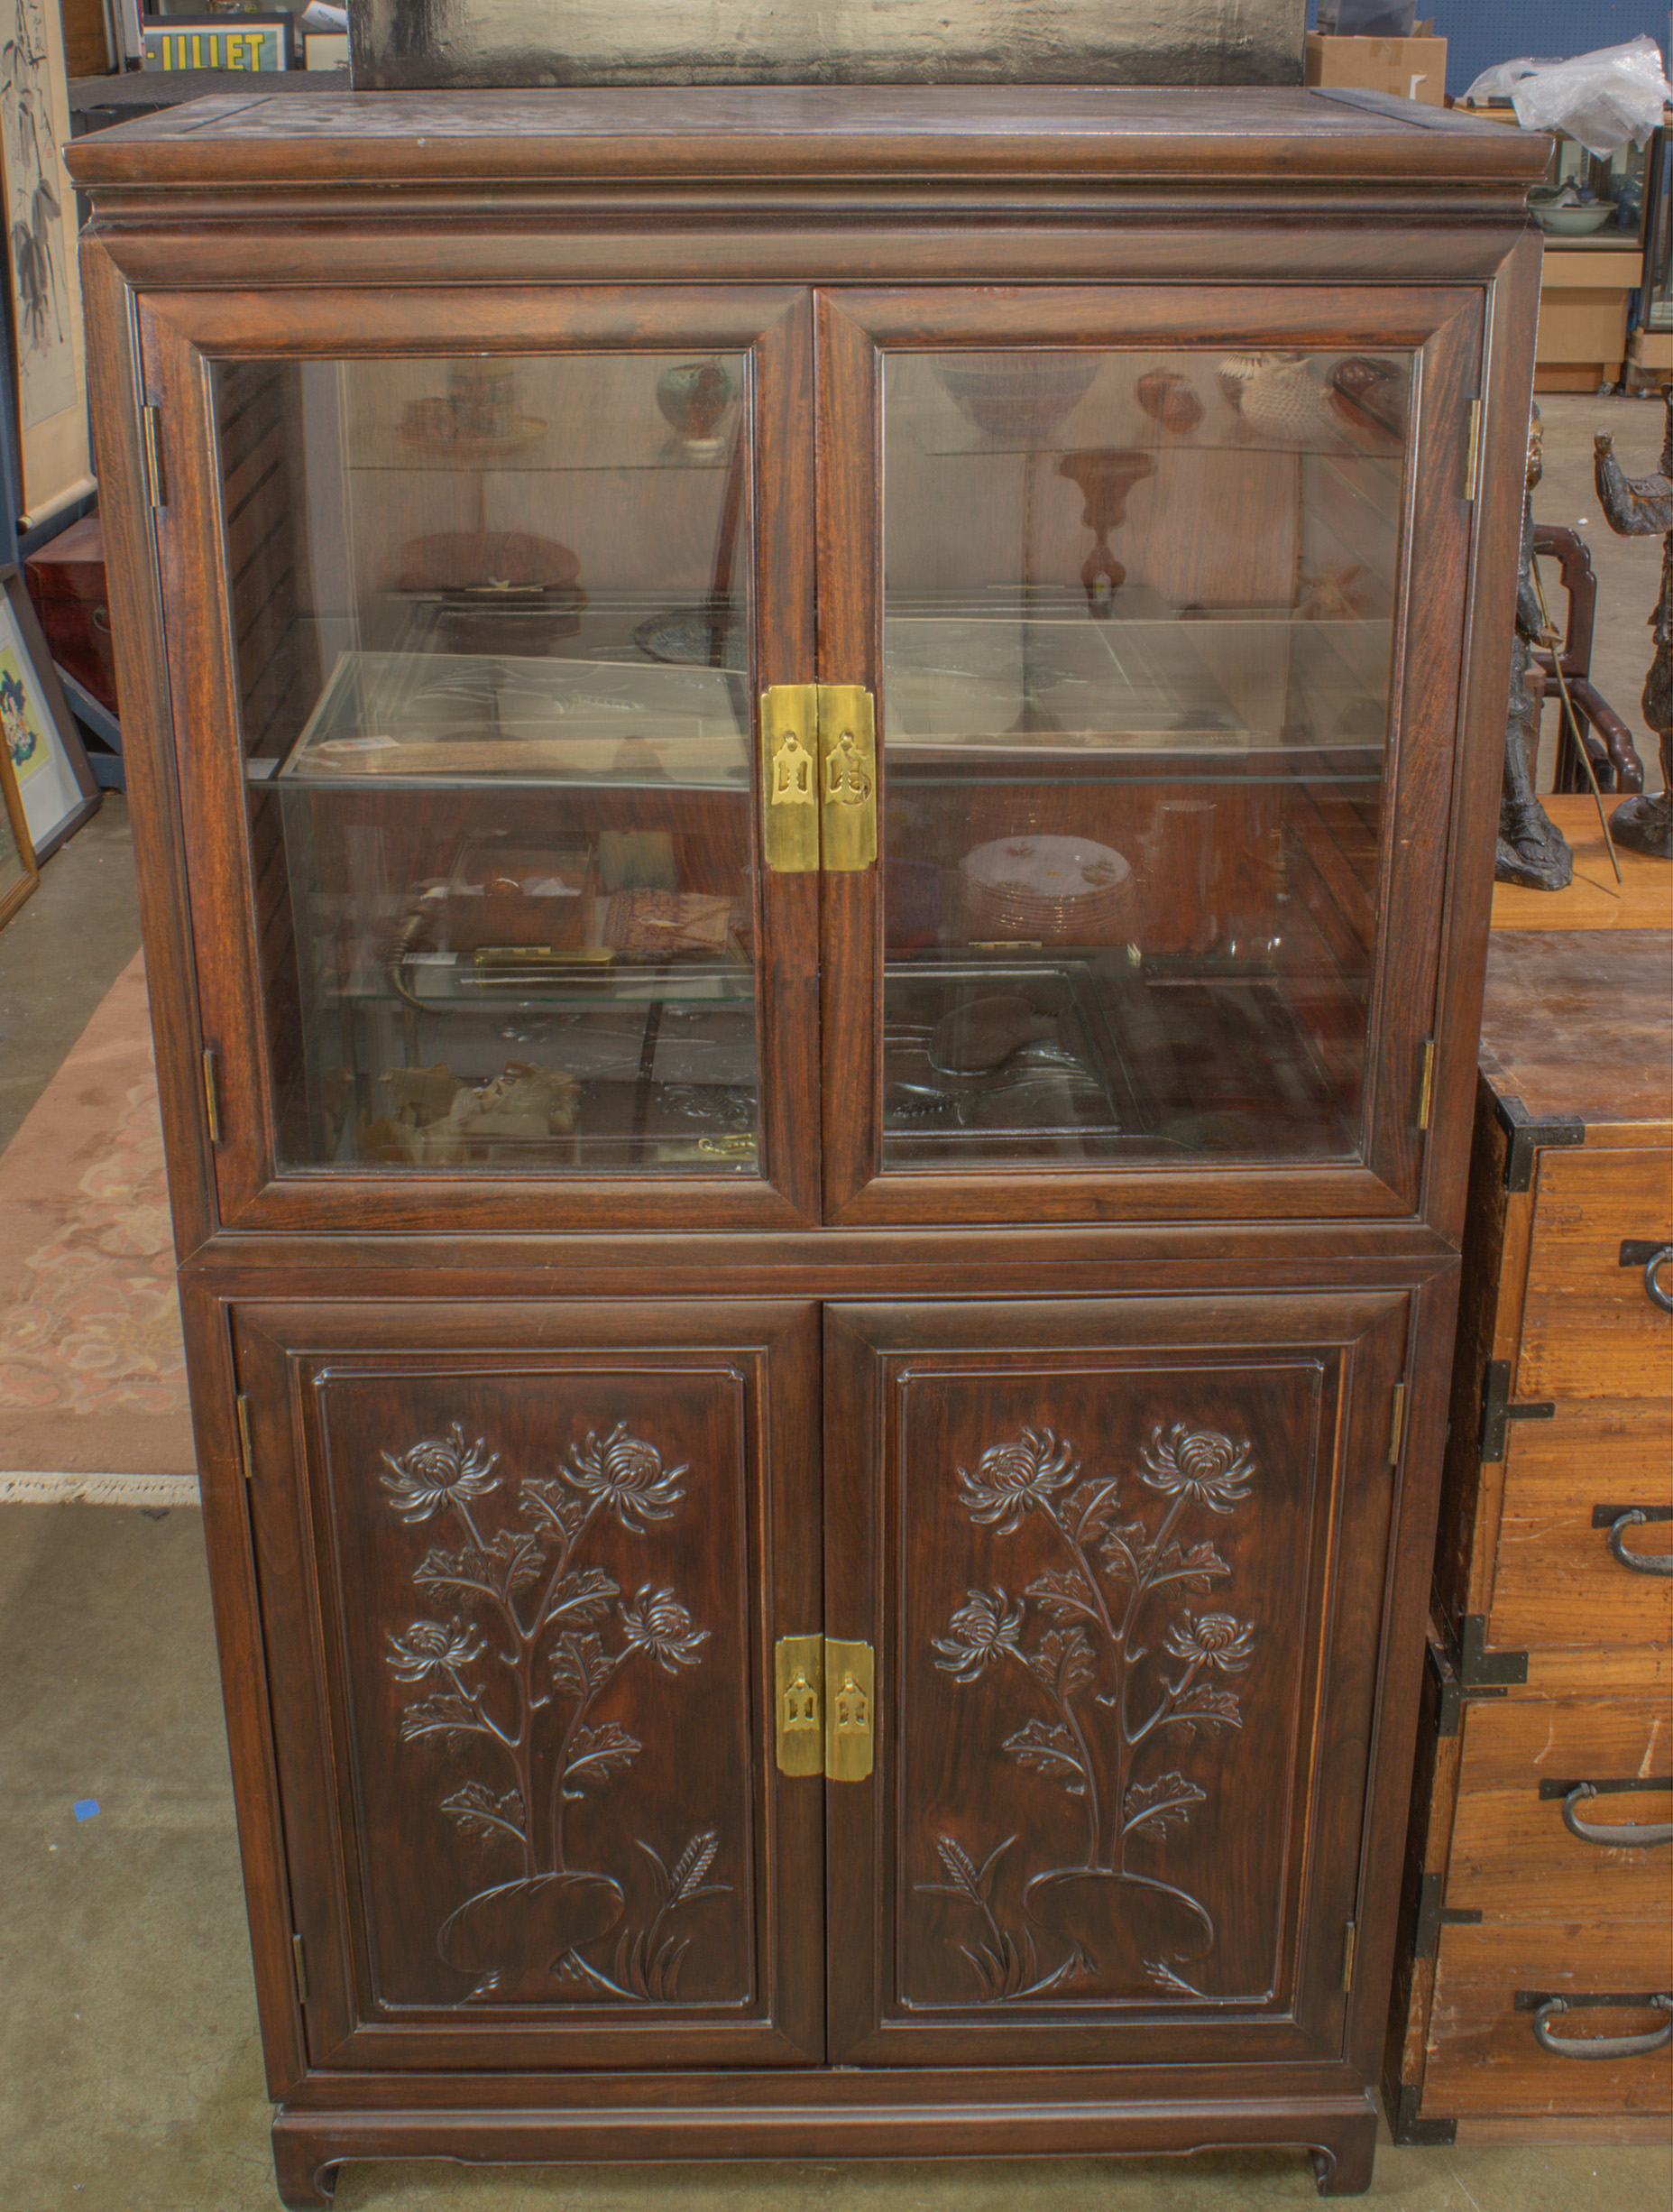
(561, 1764)
(1172, 1694)
(1093, 1817)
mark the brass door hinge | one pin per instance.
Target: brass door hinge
(819, 777)
(850, 1669)
(1426, 1083)
(212, 1095)
(790, 778)
(848, 776)
(798, 1690)
(822, 1691)
(151, 446)
(1472, 463)
(299, 1967)
(1397, 1424)
(246, 1450)
(1349, 1944)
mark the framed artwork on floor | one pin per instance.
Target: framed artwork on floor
(18, 872)
(43, 746)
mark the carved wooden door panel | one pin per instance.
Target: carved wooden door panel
(1123, 1566)
(521, 1570)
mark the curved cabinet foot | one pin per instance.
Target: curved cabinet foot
(305, 2180)
(1343, 2168)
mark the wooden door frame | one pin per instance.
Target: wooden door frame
(299, 1877)
(870, 1350)
(180, 333)
(1444, 327)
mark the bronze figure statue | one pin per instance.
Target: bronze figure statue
(1638, 507)
(1532, 850)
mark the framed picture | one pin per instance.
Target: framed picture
(45, 281)
(42, 744)
(218, 43)
(18, 871)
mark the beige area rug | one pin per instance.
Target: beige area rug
(92, 1372)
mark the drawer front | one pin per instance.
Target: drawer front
(1514, 1856)
(1484, 2053)
(1590, 1328)
(1557, 1581)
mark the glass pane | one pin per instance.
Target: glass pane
(1137, 627)
(493, 624)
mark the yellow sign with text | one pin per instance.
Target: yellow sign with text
(185, 45)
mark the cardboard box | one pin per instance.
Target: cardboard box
(1408, 69)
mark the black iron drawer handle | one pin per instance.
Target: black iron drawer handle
(1633, 1834)
(1652, 1258)
(1641, 1562)
(1602, 2046)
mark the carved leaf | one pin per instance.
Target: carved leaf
(553, 1503)
(692, 1863)
(480, 1813)
(1161, 1804)
(1164, 1977)
(1213, 1707)
(596, 1754)
(455, 1717)
(468, 1569)
(1062, 1596)
(1050, 1749)
(1064, 1658)
(1193, 1568)
(579, 1665)
(585, 1597)
(519, 1561)
(1122, 1551)
(1088, 1506)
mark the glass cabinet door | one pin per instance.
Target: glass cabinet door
(1136, 647)
(492, 645)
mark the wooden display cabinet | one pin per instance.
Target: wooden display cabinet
(814, 777)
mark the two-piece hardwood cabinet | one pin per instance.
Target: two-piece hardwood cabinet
(815, 775)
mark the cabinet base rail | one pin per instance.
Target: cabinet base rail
(1338, 2134)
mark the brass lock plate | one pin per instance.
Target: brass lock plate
(798, 1698)
(850, 1670)
(790, 778)
(848, 776)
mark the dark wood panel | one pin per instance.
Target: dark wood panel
(1105, 1553)
(551, 1551)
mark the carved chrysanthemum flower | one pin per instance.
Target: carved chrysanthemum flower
(658, 1623)
(1012, 1479)
(1197, 1463)
(627, 1474)
(440, 1471)
(986, 1625)
(430, 1648)
(1213, 1640)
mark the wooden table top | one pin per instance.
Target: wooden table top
(1643, 899)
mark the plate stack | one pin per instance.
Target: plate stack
(1038, 890)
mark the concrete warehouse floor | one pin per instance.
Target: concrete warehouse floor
(130, 2069)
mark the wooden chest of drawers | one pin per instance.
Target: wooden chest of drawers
(1535, 1990)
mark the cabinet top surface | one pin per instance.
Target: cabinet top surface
(806, 132)
(1577, 1022)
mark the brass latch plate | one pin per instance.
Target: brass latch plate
(798, 1695)
(822, 1704)
(848, 776)
(850, 1670)
(789, 780)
